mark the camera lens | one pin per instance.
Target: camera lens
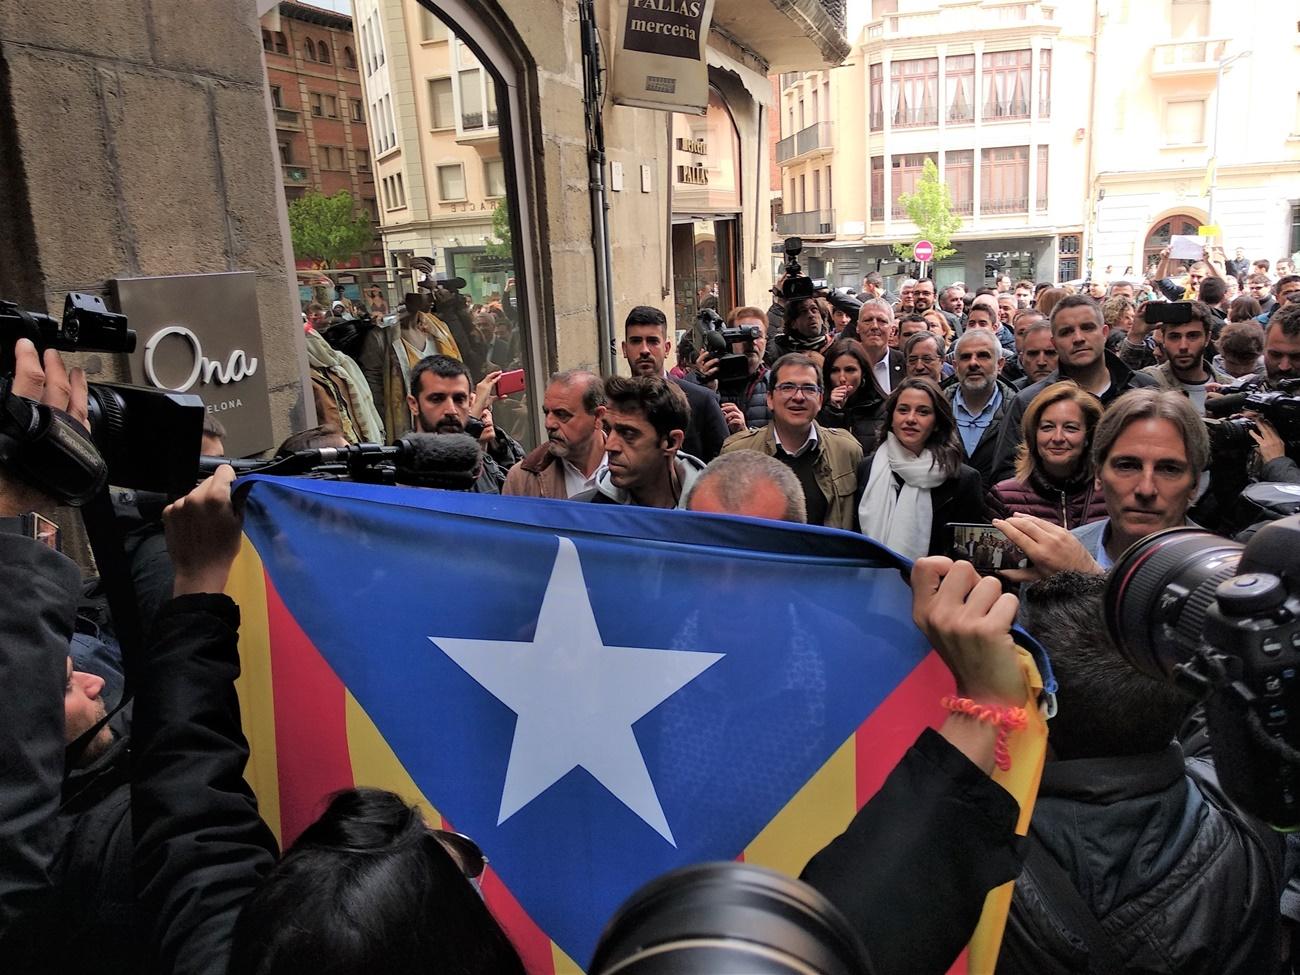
(1158, 594)
(728, 919)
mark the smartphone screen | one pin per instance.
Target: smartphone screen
(986, 548)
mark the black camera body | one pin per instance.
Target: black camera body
(1280, 407)
(797, 284)
(733, 367)
(148, 439)
(1222, 622)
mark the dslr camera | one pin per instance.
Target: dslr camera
(1222, 622)
(1280, 407)
(140, 438)
(733, 367)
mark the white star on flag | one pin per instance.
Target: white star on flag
(576, 699)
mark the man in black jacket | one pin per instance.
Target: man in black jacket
(1128, 827)
(1079, 333)
(645, 346)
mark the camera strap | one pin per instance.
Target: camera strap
(1063, 897)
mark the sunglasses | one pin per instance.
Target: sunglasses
(468, 855)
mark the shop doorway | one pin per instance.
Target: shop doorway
(704, 269)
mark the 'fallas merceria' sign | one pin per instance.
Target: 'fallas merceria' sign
(659, 55)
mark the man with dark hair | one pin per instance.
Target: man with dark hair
(1079, 334)
(1211, 293)
(746, 482)
(1184, 344)
(824, 459)
(923, 354)
(1286, 290)
(1259, 286)
(646, 344)
(1021, 321)
(1127, 828)
(923, 296)
(574, 453)
(806, 330)
(1038, 355)
(439, 401)
(214, 437)
(1241, 350)
(645, 422)
(322, 435)
(910, 325)
(1024, 292)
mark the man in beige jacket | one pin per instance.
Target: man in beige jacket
(574, 452)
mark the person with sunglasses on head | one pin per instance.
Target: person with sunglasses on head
(824, 459)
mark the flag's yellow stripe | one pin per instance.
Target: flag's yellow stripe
(247, 587)
(375, 765)
(817, 813)
(564, 965)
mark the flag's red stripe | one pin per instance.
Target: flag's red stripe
(890, 730)
(530, 941)
(311, 735)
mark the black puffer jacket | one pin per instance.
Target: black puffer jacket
(1178, 879)
(863, 415)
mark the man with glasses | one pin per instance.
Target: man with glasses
(1286, 291)
(923, 353)
(825, 460)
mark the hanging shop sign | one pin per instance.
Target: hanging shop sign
(201, 333)
(659, 55)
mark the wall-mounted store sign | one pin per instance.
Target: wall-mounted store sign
(706, 160)
(659, 54)
(202, 334)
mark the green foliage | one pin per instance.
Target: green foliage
(930, 208)
(502, 245)
(328, 229)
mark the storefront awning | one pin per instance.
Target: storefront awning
(758, 86)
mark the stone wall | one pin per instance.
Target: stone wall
(134, 141)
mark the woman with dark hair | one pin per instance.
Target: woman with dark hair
(853, 401)
(1054, 473)
(369, 887)
(916, 484)
(1244, 309)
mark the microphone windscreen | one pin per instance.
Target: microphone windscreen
(441, 460)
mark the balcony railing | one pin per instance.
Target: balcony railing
(1020, 205)
(964, 208)
(288, 118)
(1015, 108)
(1201, 56)
(296, 175)
(810, 139)
(877, 211)
(961, 116)
(877, 121)
(913, 117)
(809, 223)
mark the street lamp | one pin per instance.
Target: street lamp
(1214, 148)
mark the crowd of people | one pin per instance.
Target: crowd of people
(1074, 424)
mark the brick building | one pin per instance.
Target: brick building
(320, 119)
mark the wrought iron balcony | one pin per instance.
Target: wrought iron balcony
(1200, 56)
(288, 118)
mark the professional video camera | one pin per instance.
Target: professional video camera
(796, 284)
(1280, 407)
(1222, 622)
(733, 367)
(142, 438)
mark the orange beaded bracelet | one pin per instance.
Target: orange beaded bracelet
(1006, 720)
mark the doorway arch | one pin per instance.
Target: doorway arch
(1165, 227)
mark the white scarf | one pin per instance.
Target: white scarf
(900, 519)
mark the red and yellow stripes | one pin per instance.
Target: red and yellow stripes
(309, 738)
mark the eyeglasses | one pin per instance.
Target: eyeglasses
(928, 360)
(789, 389)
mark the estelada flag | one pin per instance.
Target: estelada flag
(596, 694)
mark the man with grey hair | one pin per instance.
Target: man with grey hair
(979, 399)
(750, 483)
(574, 453)
(874, 328)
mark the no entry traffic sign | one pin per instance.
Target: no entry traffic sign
(923, 251)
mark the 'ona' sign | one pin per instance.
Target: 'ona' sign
(238, 367)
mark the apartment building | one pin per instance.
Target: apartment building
(975, 87)
(312, 63)
(1198, 124)
(1074, 138)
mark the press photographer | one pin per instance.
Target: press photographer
(731, 363)
(806, 328)
(1255, 428)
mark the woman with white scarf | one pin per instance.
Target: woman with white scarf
(915, 484)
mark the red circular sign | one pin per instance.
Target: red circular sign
(923, 251)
